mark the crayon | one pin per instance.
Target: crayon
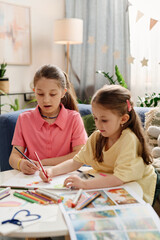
(88, 200)
(74, 203)
(16, 194)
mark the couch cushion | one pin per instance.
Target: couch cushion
(89, 124)
(84, 109)
(7, 125)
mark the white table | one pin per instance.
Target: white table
(51, 228)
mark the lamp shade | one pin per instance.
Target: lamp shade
(68, 31)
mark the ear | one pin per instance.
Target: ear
(125, 118)
(64, 92)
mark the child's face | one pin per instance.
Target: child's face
(48, 95)
(107, 122)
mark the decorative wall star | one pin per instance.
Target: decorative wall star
(91, 40)
(104, 48)
(116, 54)
(131, 59)
(144, 62)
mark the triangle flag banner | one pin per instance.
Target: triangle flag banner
(152, 23)
(139, 15)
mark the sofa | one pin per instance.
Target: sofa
(7, 125)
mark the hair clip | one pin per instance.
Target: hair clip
(129, 105)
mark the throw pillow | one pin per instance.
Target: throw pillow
(89, 124)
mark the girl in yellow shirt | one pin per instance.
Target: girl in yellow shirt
(118, 146)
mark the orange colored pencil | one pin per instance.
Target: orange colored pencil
(34, 198)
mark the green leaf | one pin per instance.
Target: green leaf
(120, 79)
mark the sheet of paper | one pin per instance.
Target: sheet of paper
(122, 223)
(117, 214)
(34, 181)
(45, 213)
(109, 197)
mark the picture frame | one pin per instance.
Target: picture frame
(15, 34)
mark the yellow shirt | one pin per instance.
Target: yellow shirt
(123, 160)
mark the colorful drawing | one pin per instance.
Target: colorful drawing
(34, 181)
(103, 200)
(121, 196)
(10, 204)
(92, 215)
(154, 235)
(102, 235)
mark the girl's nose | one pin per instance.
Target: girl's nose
(98, 124)
(46, 98)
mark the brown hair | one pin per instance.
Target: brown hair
(114, 97)
(53, 72)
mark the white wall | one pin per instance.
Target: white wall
(43, 49)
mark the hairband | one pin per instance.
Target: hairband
(129, 105)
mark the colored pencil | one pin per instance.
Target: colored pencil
(47, 191)
(88, 200)
(41, 164)
(5, 190)
(25, 156)
(17, 194)
(74, 203)
(49, 195)
(86, 173)
(43, 198)
(4, 195)
(34, 198)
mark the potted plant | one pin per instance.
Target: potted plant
(119, 79)
(4, 81)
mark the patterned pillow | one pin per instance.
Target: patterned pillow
(152, 118)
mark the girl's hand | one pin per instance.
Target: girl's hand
(27, 167)
(48, 173)
(75, 182)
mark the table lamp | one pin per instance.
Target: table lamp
(68, 31)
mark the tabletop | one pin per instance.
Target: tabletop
(55, 226)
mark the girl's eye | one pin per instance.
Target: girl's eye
(40, 94)
(52, 95)
(104, 121)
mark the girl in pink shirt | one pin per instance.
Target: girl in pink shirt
(54, 129)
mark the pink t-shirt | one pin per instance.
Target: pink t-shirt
(49, 140)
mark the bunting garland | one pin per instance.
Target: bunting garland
(140, 14)
(116, 53)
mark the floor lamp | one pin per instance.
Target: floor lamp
(68, 31)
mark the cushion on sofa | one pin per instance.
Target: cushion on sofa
(7, 125)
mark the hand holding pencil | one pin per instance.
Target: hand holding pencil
(26, 165)
(43, 174)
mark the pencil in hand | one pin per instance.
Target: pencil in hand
(41, 165)
(25, 156)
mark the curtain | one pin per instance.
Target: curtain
(105, 43)
(145, 47)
